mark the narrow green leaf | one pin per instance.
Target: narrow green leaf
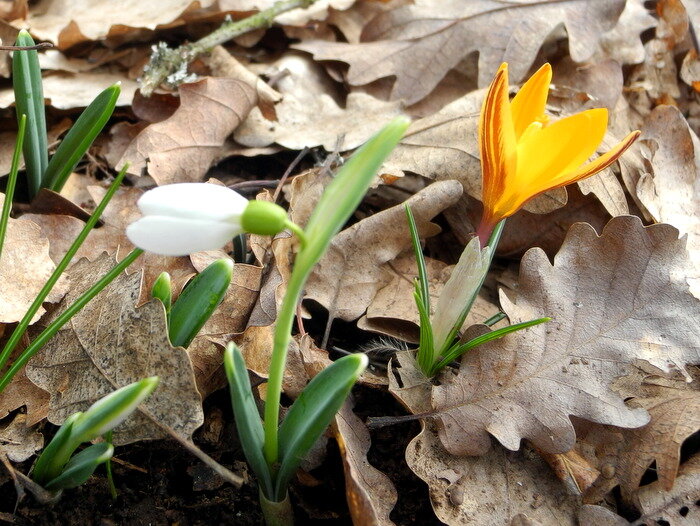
(248, 422)
(29, 101)
(12, 181)
(198, 301)
(311, 413)
(458, 350)
(111, 410)
(81, 466)
(420, 259)
(80, 137)
(425, 356)
(55, 456)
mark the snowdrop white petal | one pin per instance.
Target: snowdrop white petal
(179, 236)
(193, 200)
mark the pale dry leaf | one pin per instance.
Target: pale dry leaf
(296, 17)
(67, 91)
(182, 147)
(21, 392)
(623, 43)
(8, 34)
(350, 274)
(370, 494)
(309, 116)
(614, 299)
(670, 190)
(19, 440)
(24, 268)
(109, 344)
(419, 44)
(70, 22)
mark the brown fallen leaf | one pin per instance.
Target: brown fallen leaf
(370, 494)
(109, 344)
(65, 91)
(69, 23)
(674, 508)
(19, 440)
(309, 116)
(670, 190)
(21, 392)
(24, 268)
(182, 147)
(614, 299)
(419, 44)
(352, 272)
(463, 490)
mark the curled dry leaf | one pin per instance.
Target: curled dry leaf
(19, 440)
(309, 116)
(614, 299)
(24, 269)
(371, 495)
(670, 190)
(109, 344)
(623, 43)
(352, 271)
(182, 147)
(419, 44)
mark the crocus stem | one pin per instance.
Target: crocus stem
(12, 182)
(65, 316)
(282, 336)
(46, 289)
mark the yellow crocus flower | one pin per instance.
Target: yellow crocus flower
(523, 154)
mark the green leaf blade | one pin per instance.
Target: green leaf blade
(29, 101)
(80, 137)
(312, 412)
(81, 467)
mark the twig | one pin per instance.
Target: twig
(41, 45)
(169, 66)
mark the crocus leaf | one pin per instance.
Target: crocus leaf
(80, 137)
(81, 466)
(198, 301)
(29, 101)
(311, 413)
(248, 422)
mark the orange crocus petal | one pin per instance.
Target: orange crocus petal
(599, 164)
(557, 149)
(529, 103)
(497, 143)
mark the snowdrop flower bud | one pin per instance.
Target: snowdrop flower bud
(179, 219)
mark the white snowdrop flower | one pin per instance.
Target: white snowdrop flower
(179, 219)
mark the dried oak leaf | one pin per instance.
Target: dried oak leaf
(352, 271)
(623, 43)
(182, 147)
(677, 507)
(309, 116)
(109, 344)
(614, 299)
(70, 22)
(19, 440)
(24, 268)
(463, 490)
(419, 44)
(670, 190)
(21, 392)
(371, 495)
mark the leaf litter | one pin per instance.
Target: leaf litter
(540, 427)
